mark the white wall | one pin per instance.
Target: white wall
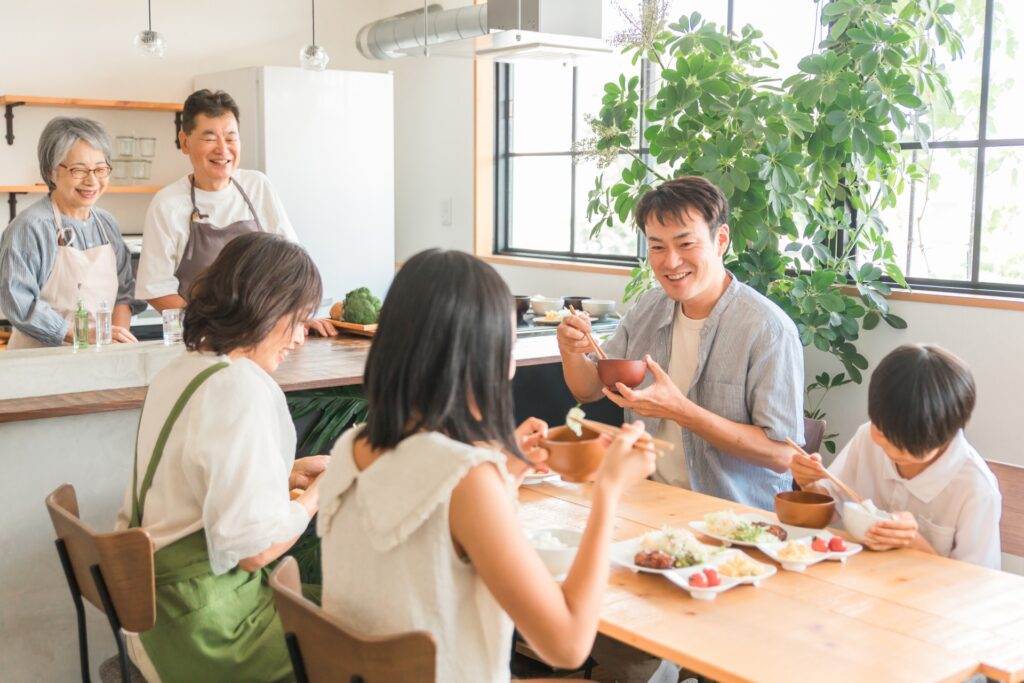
(70, 49)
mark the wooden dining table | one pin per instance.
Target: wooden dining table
(899, 615)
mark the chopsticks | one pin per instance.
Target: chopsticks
(846, 489)
(602, 428)
(593, 342)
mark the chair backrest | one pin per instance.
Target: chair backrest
(1011, 524)
(331, 652)
(814, 432)
(125, 559)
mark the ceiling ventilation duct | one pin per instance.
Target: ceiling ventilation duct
(501, 29)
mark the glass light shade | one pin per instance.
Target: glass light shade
(313, 58)
(150, 43)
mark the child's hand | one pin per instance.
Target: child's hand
(528, 436)
(900, 532)
(624, 465)
(806, 470)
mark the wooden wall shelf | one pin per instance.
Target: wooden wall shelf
(9, 102)
(14, 190)
(117, 189)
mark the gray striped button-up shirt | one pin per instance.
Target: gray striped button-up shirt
(750, 369)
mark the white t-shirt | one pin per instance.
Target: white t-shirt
(390, 564)
(165, 231)
(955, 501)
(226, 463)
(682, 364)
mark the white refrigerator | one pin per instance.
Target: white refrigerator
(326, 141)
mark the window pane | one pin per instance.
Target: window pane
(716, 11)
(939, 245)
(541, 107)
(964, 75)
(1006, 86)
(788, 27)
(618, 240)
(1002, 250)
(591, 76)
(541, 200)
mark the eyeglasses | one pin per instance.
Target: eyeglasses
(79, 173)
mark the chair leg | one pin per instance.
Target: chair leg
(296, 656)
(115, 623)
(76, 596)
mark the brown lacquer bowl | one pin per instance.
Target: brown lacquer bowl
(804, 508)
(629, 372)
(576, 458)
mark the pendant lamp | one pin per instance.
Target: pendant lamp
(313, 57)
(149, 42)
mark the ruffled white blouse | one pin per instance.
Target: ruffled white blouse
(389, 561)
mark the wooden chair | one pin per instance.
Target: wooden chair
(814, 432)
(113, 571)
(323, 650)
(1011, 524)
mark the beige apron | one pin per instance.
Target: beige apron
(205, 240)
(95, 269)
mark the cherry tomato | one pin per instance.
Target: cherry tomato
(837, 545)
(819, 545)
(698, 580)
(712, 575)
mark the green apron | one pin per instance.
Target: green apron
(208, 628)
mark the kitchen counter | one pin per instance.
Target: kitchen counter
(46, 383)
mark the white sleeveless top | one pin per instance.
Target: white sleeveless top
(389, 562)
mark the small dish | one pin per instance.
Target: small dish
(539, 478)
(805, 508)
(623, 552)
(793, 564)
(614, 370)
(792, 532)
(857, 519)
(546, 542)
(682, 576)
(542, 304)
(599, 308)
(838, 555)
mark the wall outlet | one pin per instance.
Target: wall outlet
(446, 211)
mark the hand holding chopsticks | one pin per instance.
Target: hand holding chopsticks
(645, 441)
(846, 489)
(593, 342)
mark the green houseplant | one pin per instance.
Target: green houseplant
(807, 162)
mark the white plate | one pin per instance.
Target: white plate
(681, 577)
(623, 552)
(794, 532)
(851, 547)
(772, 551)
(531, 479)
(544, 321)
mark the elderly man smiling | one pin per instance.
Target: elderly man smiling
(726, 365)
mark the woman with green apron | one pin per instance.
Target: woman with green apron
(214, 464)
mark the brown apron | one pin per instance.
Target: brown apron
(205, 240)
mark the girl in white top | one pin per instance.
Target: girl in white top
(913, 459)
(215, 463)
(419, 527)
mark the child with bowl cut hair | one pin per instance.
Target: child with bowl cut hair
(913, 459)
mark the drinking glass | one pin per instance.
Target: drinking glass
(172, 326)
(147, 146)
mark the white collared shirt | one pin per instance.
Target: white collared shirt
(955, 501)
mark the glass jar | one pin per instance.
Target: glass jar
(147, 146)
(125, 146)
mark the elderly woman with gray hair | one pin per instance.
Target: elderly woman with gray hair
(63, 248)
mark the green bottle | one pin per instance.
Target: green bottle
(80, 324)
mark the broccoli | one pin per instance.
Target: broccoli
(361, 307)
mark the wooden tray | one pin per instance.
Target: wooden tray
(353, 328)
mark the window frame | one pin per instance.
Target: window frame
(502, 190)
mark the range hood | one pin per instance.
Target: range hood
(504, 30)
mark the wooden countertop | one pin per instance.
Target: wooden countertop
(319, 363)
(896, 616)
